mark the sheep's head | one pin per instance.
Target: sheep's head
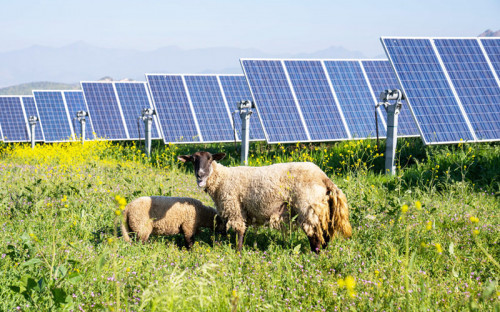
(202, 162)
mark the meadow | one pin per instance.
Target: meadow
(426, 239)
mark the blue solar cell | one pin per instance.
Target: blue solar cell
(474, 83)
(428, 91)
(275, 101)
(355, 98)
(235, 90)
(492, 48)
(104, 110)
(382, 77)
(209, 107)
(316, 100)
(173, 108)
(31, 110)
(134, 98)
(13, 120)
(75, 103)
(53, 116)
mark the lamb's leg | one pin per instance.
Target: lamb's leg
(315, 244)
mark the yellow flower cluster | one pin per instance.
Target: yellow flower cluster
(349, 283)
(122, 202)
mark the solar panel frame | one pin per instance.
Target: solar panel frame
(31, 109)
(205, 133)
(120, 134)
(299, 137)
(406, 121)
(167, 113)
(40, 97)
(89, 129)
(20, 122)
(155, 129)
(346, 103)
(469, 77)
(472, 137)
(255, 120)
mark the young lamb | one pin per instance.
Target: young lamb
(167, 216)
(273, 194)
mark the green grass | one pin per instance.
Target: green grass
(61, 251)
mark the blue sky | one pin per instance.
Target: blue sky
(272, 26)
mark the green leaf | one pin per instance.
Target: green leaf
(31, 284)
(297, 248)
(59, 295)
(451, 248)
(74, 277)
(15, 289)
(31, 262)
(61, 271)
(42, 284)
(101, 262)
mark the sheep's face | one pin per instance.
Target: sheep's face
(202, 162)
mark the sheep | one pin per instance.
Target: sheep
(167, 216)
(274, 194)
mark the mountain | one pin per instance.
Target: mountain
(26, 88)
(490, 33)
(80, 61)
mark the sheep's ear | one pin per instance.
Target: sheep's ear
(185, 158)
(218, 156)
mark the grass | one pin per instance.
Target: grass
(425, 239)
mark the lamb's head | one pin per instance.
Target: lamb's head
(202, 162)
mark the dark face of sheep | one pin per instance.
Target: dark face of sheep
(202, 162)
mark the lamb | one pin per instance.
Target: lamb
(162, 215)
(274, 194)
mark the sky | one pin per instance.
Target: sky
(290, 26)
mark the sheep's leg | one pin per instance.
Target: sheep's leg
(315, 244)
(326, 238)
(241, 235)
(189, 241)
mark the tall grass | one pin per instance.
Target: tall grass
(425, 239)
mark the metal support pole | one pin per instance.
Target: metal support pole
(33, 120)
(147, 117)
(393, 111)
(245, 110)
(81, 116)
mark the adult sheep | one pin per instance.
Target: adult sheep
(272, 194)
(163, 215)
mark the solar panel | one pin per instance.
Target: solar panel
(475, 84)
(355, 97)
(210, 108)
(133, 98)
(31, 110)
(381, 77)
(492, 49)
(175, 114)
(13, 119)
(54, 116)
(438, 112)
(235, 89)
(1, 132)
(313, 91)
(75, 102)
(276, 104)
(105, 111)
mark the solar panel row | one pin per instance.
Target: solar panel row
(321, 100)
(451, 84)
(198, 108)
(115, 107)
(14, 114)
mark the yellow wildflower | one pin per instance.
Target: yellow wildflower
(340, 283)
(418, 205)
(118, 212)
(439, 249)
(350, 282)
(404, 209)
(474, 219)
(475, 232)
(428, 227)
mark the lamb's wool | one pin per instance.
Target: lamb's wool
(166, 216)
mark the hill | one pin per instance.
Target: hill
(26, 88)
